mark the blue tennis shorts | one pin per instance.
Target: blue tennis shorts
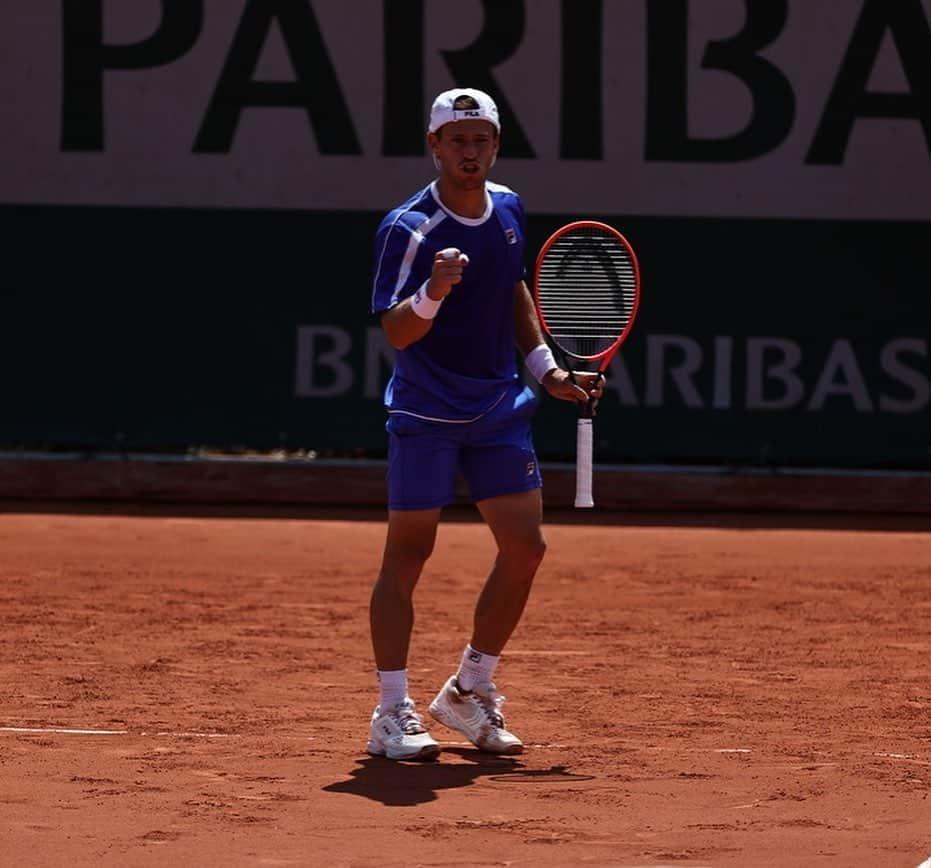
(494, 454)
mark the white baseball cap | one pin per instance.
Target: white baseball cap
(463, 104)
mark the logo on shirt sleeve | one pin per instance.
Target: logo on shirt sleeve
(511, 235)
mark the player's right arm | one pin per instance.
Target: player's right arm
(410, 319)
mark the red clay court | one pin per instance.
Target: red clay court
(192, 687)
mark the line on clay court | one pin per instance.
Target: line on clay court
(908, 758)
(51, 730)
(189, 734)
(55, 730)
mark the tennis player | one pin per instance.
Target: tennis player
(449, 288)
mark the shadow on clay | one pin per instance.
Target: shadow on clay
(412, 783)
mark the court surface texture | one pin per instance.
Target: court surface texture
(184, 687)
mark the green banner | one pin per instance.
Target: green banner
(759, 342)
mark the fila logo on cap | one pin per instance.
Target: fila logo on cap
(463, 103)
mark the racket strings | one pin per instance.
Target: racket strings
(587, 291)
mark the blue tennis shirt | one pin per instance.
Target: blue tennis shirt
(464, 365)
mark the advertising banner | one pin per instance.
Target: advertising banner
(729, 108)
(167, 330)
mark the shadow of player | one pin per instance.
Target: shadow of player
(396, 783)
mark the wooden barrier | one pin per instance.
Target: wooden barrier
(303, 482)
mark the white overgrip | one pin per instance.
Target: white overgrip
(583, 464)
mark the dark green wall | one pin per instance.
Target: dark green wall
(163, 330)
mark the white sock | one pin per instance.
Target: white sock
(475, 668)
(392, 686)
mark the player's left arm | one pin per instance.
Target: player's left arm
(528, 335)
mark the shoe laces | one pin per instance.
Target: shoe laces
(490, 701)
(407, 719)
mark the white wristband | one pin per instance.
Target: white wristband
(424, 306)
(540, 362)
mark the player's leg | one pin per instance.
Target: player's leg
(503, 475)
(515, 522)
(421, 478)
(469, 701)
(409, 543)
(396, 729)
(422, 466)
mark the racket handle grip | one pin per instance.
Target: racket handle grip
(583, 464)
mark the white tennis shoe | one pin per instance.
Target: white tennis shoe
(477, 715)
(399, 734)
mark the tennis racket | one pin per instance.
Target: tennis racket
(587, 290)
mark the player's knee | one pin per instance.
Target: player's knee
(412, 554)
(537, 550)
(393, 587)
(527, 550)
